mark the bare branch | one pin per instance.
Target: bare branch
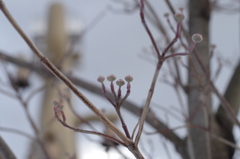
(136, 110)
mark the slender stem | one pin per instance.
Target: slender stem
(19, 132)
(177, 54)
(85, 131)
(177, 35)
(134, 130)
(105, 95)
(231, 144)
(179, 127)
(124, 126)
(119, 94)
(113, 90)
(149, 98)
(78, 116)
(33, 126)
(188, 51)
(28, 114)
(127, 94)
(25, 107)
(147, 29)
(170, 6)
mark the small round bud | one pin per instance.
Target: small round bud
(60, 107)
(55, 102)
(128, 78)
(101, 79)
(120, 82)
(111, 78)
(197, 38)
(179, 17)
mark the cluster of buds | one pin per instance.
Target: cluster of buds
(118, 101)
(111, 78)
(58, 107)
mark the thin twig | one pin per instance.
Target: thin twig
(19, 132)
(38, 90)
(124, 126)
(149, 98)
(147, 29)
(177, 35)
(63, 122)
(168, 111)
(231, 144)
(25, 107)
(166, 147)
(134, 130)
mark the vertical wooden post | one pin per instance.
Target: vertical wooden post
(58, 140)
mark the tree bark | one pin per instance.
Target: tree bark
(199, 102)
(199, 15)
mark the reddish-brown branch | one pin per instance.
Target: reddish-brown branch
(63, 122)
(147, 29)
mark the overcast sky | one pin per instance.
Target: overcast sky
(113, 46)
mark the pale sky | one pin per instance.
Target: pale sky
(113, 46)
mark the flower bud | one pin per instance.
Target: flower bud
(60, 107)
(55, 102)
(128, 78)
(101, 79)
(179, 17)
(120, 82)
(197, 38)
(111, 78)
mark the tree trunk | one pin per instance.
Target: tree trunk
(199, 95)
(199, 15)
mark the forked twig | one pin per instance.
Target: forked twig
(63, 122)
(161, 59)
